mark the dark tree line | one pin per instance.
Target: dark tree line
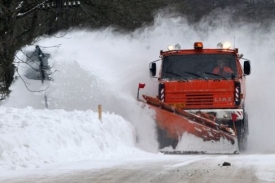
(22, 21)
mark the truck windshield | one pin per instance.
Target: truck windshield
(200, 66)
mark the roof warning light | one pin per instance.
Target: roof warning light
(198, 45)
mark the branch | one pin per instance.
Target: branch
(25, 13)
(25, 63)
(51, 46)
(34, 91)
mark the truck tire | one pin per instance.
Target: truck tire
(246, 122)
(164, 140)
(242, 133)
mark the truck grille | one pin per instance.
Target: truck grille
(199, 99)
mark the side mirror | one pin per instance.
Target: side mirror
(246, 67)
(153, 69)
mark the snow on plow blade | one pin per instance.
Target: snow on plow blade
(174, 124)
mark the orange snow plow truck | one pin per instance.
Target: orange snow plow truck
(201, 92)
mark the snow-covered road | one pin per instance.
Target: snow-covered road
(161, 169)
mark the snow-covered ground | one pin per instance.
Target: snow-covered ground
(104, 67)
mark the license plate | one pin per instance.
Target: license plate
(180, 105)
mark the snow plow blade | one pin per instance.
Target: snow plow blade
(174, 123)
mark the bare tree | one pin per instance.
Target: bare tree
(21, 22)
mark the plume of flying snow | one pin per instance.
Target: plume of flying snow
(104, 66)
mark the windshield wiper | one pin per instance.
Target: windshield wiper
(176, 75)
(194, 74)
(191, 73)
(210, 73)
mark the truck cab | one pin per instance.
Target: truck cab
(209, 81)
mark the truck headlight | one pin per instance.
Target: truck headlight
(170, 48)
(226, 45)
(227, 115)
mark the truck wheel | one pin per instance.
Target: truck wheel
(242, 135)
(164, 140)
(246, 122)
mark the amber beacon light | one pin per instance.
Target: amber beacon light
(198, 45)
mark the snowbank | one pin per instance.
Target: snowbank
(30, 138)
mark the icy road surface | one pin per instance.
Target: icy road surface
(161, 169)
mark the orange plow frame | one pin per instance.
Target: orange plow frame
(176, 121)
